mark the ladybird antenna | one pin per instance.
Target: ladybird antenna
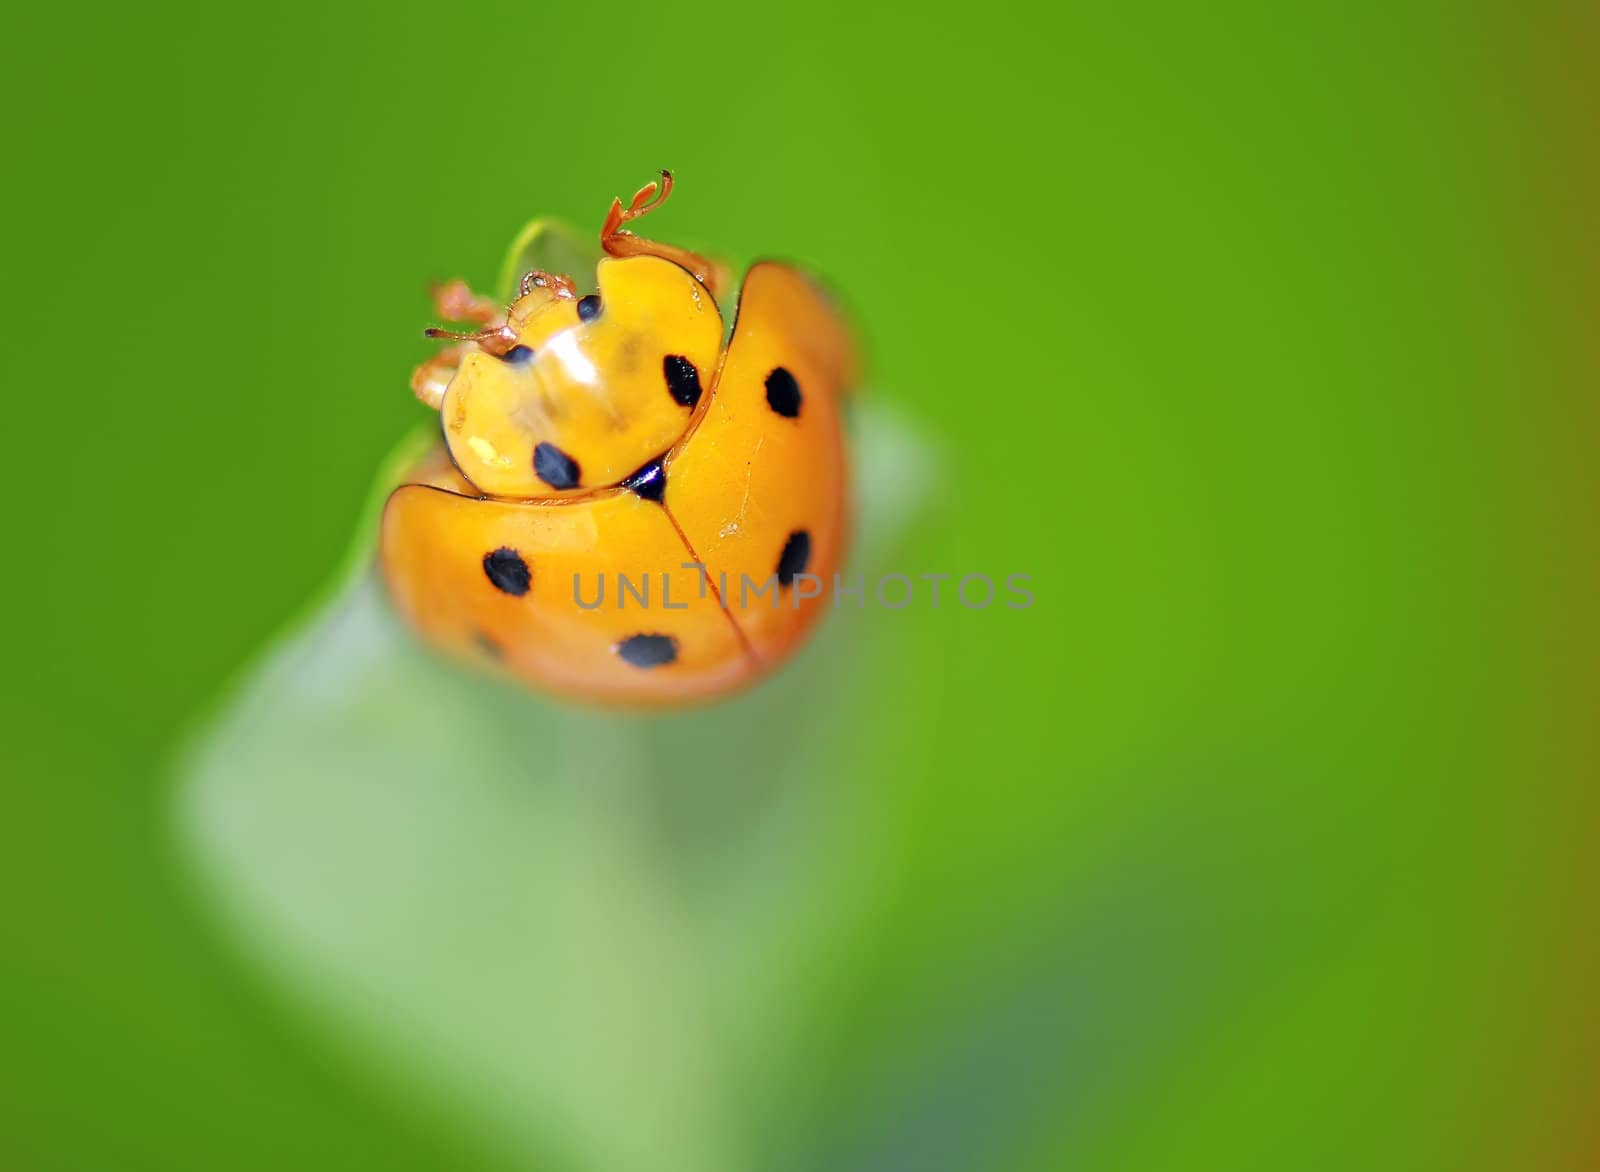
(497, 340)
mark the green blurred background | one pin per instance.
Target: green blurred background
(1260, 335)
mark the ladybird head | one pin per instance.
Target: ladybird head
(578, 391)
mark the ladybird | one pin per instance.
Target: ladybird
(632, 504)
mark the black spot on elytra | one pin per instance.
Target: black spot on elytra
(650, 482)
(555, 467)
(648, 650)
(796, 556)
(589, 307)
(783, 393)
(507, 571)
(683, 380)
(516, 354)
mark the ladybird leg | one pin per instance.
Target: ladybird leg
(556, 286)
(618, 241)
(546, 246)
(430, 380)
(455, 301)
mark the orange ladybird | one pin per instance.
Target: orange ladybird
(629, 506)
